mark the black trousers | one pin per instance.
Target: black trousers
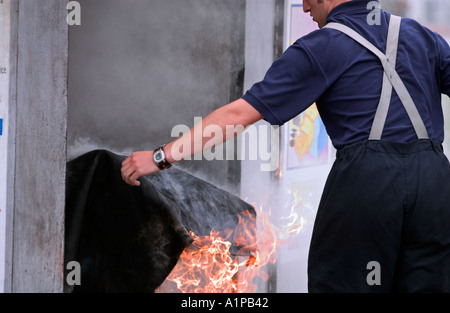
(383, 224)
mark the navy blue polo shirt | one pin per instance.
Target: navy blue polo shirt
(345, 79)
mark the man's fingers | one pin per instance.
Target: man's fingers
(126, 161)
(124, 170)
(130, 174)
(130, 177)
(133, 176)
(135, 166)
(133, 179)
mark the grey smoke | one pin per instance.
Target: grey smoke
(137, 68)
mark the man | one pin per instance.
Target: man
(383, 224)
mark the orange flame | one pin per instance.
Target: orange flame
(208, 266)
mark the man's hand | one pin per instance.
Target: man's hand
(138, 164)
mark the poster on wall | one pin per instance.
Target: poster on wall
(307, 137)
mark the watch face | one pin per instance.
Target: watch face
(158, 156)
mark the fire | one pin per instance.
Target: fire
(206, 266)
(209, 266)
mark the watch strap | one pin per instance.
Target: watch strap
(163, 164)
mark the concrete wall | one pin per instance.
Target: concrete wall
(38, 109)
(6, 168)
(138, 68)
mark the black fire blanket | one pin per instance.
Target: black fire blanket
(128, 239)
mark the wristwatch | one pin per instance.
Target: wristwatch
(159, 157)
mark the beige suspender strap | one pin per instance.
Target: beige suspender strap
(386, 91)
(390, 79)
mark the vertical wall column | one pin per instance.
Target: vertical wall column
(6, 145)
(40, 108)
(263, 44)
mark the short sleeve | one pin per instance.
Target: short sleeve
(292, 84)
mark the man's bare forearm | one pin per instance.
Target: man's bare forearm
(229, 121)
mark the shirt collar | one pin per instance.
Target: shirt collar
(350, 6)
